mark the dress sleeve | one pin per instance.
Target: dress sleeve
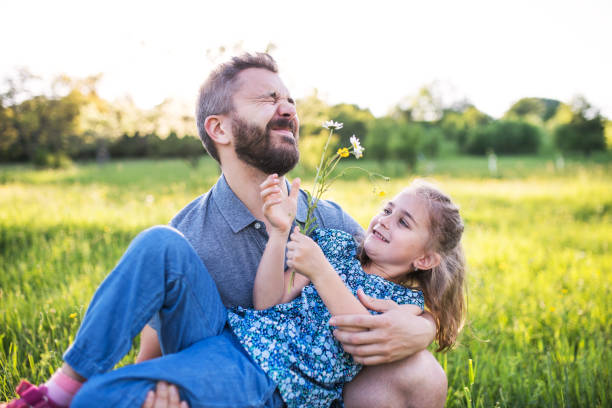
(406, 296)
(335, 244)
(381, 288)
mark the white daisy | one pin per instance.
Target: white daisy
(330, 124)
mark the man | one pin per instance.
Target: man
(248, 122)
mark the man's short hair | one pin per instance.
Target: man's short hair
(216, 93)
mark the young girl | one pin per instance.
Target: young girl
(285, 353)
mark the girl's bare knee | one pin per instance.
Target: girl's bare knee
(425, 382)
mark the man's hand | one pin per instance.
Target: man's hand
(399, 332)
(164, 396)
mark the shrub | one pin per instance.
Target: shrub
(429, 141)
(504, 137)
(404, 142)
(581, 136)
(45, 159)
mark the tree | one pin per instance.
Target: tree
(585, 130)
(355, 122)
(456, 125)
(536, 111)
(425, 106)
(392, 139)
(504, 137)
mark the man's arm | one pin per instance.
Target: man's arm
(387, 337)
(399, 332)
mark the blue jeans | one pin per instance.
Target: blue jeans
(161, 274)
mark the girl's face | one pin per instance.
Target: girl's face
(396, 240)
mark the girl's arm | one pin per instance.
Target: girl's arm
(270, 284)
(149, 345)
(307, 258)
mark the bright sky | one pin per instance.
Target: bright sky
(372, 53)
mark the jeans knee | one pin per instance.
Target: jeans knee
(160, 237)
(108, 391)
(160, 233)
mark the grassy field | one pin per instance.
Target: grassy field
(538, 241)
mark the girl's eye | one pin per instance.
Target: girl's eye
(404, 223)
(386, 211)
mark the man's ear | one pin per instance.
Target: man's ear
(217, 128)
(428, 261)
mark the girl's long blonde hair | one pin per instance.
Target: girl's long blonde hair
(444, 285)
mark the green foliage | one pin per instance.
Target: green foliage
(430, 141)
(533, 110)
(456, 125)
(389, 139)
(584, 132)
(582, 137)
(376, 144)
(312, 112)
(425, 106)
(504, 137)
(151, 145)
(354, 119)
(402, 143)
(537, 243)
(36, 124)
(44, 158)
(72, 121)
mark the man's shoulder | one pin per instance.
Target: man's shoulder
(330, 215)
(194, 210)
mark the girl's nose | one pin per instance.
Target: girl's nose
(384, 221)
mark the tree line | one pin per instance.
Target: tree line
(68, 120)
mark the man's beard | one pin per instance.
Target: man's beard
(254, 147)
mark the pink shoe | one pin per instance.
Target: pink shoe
(31, 397)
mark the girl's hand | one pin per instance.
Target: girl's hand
(279, 208)
(306, 256)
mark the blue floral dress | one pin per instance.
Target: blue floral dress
(293, 342)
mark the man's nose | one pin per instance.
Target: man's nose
(286, 109)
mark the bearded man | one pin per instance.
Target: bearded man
(248, 122)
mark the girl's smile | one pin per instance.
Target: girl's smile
(397, 238)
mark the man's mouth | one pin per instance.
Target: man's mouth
(285, 127)
(380, 236)
(284, 132)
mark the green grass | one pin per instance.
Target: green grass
(538, 241)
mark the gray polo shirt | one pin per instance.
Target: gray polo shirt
(231, 241)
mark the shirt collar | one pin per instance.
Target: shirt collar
(235, 212)
(302, 206)
(231, 208)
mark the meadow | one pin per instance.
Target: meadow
(538, 243)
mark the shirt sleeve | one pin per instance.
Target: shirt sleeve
(332, 216)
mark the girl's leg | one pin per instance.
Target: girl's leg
(159, 273)
(214, 372)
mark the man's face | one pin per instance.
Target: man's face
(257, 147)
(265, 125)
